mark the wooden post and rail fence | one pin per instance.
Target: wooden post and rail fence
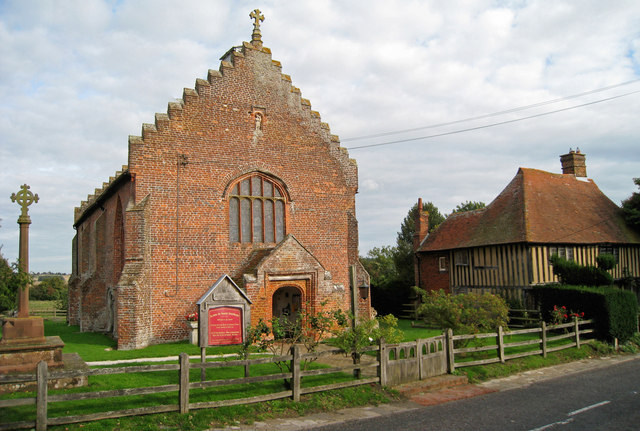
(394, 364)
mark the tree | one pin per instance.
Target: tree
(391, 268)
(7, 295)
(49, 289)
(380, 265)
(468, 206)
(12, 278)
(404, 243)
(631, 208)
(435, 217)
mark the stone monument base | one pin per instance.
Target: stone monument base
(71, 363)
(22, 330)
(24, 357)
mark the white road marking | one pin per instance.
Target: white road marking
(573, 413)
(593, 406)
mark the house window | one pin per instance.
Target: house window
(563, 252)
(256, 210)
(609, 249)
(442, 264)
(461, 258)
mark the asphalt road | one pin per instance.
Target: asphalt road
(600, 399)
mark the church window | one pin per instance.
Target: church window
(256, 210)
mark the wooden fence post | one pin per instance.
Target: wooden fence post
(419, 357)
(383, 359)
(203, 359)
(451, 367)
(295, 371)
(42, 375)
(184, 383)
(544, 339)
(501, 344)
(577, 328)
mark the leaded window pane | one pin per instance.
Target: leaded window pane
(279, 220)
(234, 215)
(268, 189)
(245, 218)
(257, 220)
(268, 221)
(256, 190)
(244, 188)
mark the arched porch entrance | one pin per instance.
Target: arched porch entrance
(287, 303)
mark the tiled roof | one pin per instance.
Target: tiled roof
(537, 207)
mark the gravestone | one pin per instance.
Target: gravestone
(223, 314)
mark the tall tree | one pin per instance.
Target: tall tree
(631, 208)
(468, 206)
(391, 268)
(379, 264)
(435, 217)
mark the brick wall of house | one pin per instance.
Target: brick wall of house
(176, 226)
(431, 277)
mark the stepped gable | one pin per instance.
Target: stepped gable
(215, 84)
(99, 195)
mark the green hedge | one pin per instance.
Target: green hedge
(615, 311)
(571, 273)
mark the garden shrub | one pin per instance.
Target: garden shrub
(354, 338)
(606, 261)
(571, 273)
(463, 313)
(615, 311)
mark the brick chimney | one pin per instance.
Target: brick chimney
(421, 225)
(574, 163)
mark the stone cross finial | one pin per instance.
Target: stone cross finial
(257, 16)
(24, 198)
(256, 36)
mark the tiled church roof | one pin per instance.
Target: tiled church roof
(537, 207)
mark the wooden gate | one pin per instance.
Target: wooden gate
(414, 360)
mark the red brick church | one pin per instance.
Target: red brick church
(239, 178)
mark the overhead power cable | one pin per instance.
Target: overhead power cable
(493, 114)
(486, 126)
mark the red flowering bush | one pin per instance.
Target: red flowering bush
(193, 317)
(560, 315)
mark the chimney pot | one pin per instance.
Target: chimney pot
(574, 163)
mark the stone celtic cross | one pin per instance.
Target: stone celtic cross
(256, 36)
(24, 198)
(257, 17)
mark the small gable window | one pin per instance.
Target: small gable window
(256, 210)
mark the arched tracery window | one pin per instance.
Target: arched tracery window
(256, 210)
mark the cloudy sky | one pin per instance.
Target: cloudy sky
(78, 77)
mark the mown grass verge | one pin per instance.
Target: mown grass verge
(588, 350)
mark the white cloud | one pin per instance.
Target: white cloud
(80, 76)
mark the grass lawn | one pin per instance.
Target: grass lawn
(412, 334)
(99, 347)
(92, 347)
(42, 305)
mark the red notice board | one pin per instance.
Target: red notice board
(224, 326)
